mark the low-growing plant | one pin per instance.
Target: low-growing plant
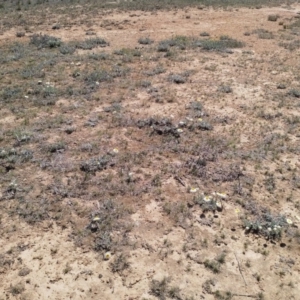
(223, 295)
(179, 212)
(212, 265)
(223, 44)
(67, 49)
(103, 241)
(24, 271)
(177, 78)
(294, 93)
(215, 264)
(17, 289)
(265, 223)
(159, 288)
(120, 263)
(263, 34)
(204, 33)
(56, 147)
(156, 71)
(180, 42)
(225, 89)
(145, 41)
(91, 43)
(45, 41)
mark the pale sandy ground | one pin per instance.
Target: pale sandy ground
(47, 250)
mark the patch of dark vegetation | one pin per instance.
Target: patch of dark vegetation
(200, 168)
(11, 93)
(128, 54)
(56, 147)
(95, 77)
(223, 44)
(195, 106)
(202, 125)
(215, 264)
(263, 34)
(24, 271)
(208, 203)
(10, 157)
(45, 41)
(113, 108)
(156, 71)
(67, 49)
(263, 221)
(145, 41)
(177, 78)
(120, 263)
(204, 33)
(97, 164)
(44, 95)
(292, 46)
(108, 218)
(179, 212)
(99, 56)
(159, 288)
(294, 93)
(17, 289)
(180, 42)
(225, 89)
(34, 210)
(162, 290)
(159, 126)
(91, 43)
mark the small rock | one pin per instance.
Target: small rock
(56, 27)
(20, 34)
(273, 18)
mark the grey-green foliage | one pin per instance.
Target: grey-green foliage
(67, 49)
(222, 44)
(263, 34)
(14, 155)
(96, 164)
(145, 41)
(14, 53)
(100, 75)
(162, 290)
(120, 263)
(10, 93)
(265, 223)
(91, 43)
(295, 93)
(108, 218)
(45, 41)
(181, 42)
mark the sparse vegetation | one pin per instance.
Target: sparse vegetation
(120, 263)
(144, 149)
(215, 264)
(223, 44)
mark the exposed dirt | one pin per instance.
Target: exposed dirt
(161, 241)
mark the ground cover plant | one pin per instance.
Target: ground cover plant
(149, 151)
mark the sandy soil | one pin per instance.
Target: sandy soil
(158, 248)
